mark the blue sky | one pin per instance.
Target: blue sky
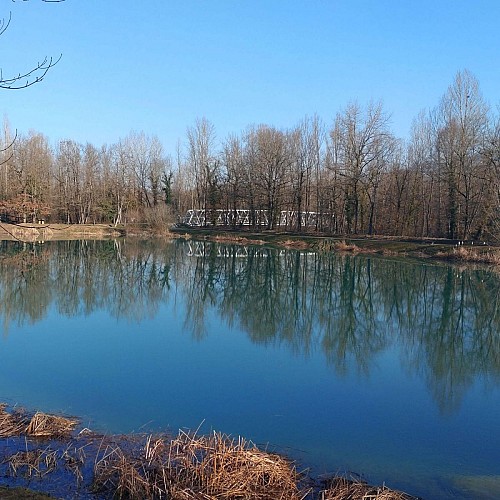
(158, 65)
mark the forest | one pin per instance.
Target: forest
(354, 174)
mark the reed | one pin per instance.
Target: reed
(29, 463)
(224, 467)
(295, 244)
(50, 426)
(342, 488)
(11, 423)
(187, 466)
(343, 246)
(42, 425)
(473, 255)
(197, 467)
(120, 474)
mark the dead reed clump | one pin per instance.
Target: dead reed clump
(191, 467)
(471, 255)
(341, 488)
(221, 467)
(343, 246)
(32, 463)
(295, 244)
(122, 475)
(325, 245)
(74, 460)
(50, 426)
(11, 423)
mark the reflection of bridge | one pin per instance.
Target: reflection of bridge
(245, 217)
(226, 250)
(201, 249)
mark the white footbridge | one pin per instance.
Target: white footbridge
(246, 217)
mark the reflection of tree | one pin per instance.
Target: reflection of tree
(129, 280)
(446, 321)
(449, 321)
(24, 295)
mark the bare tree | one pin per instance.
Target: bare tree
(361, 140)
(33, 75)
(491, 159)
(270, 157)
(204, 164)
(308, 141)
(233, 160)
(146, 162)
(462, 126)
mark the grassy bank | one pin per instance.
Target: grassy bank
(42, 450)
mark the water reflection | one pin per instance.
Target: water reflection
(444, 320)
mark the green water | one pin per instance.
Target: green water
(388, 368)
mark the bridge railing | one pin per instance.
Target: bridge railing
(199, 217)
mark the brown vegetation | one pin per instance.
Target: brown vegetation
(38, 462)
(296, 244)
(185, 467)
(341, 488)
(343, 246)
(235, 239)
(470, 254)
(50, 426)
(11, 423)
(191, 466)
(41, 425)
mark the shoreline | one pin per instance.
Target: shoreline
(52, 455)
(443, 250)
(419, 248)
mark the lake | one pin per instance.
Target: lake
(389, 368)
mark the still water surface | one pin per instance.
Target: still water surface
(388, 368)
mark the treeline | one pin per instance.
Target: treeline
(80, 183)
(443, 181)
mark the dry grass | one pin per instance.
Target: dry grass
(340, 246)
(31, 463)
(474, 255)
(40, 425)
(235, 468)
(191, 467)
(50, 426)
(341, 488)
(295, 244)
(325, 245)
(186, 467)
(13, 423)
(74, 460)
(32, 232)
(343, 246)
(121, 475)
(237, 240)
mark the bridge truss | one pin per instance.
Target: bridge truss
(245, 217)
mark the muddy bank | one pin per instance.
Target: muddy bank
(45, 232)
